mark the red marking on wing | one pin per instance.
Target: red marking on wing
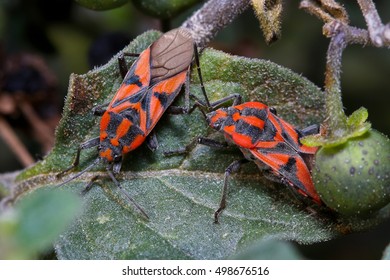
(172, 84)
(122, 128)
(251, 120)
(301, 179)
(143, 67)
(140, 68)
(104, 121)
(170, 88)
(307, 149)
(283, 126)
(138, 140)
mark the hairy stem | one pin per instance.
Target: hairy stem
(379, 33)
(334, 106)
(341, 35)
(212, 17)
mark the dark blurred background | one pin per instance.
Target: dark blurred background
(42, 42)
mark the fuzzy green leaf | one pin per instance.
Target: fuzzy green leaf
(181, 193)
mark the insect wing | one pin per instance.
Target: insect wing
(171, 54)
(290, 135)
(134, 85)
(160, 97)
(287, 163)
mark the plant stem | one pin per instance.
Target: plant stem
(212, 17)
(341, 35)
(379, 33)
(336, 120)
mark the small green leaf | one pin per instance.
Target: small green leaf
(355, 126)
(181, 193)
(358, 117)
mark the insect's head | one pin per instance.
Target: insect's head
(109, 154)
(112, 157)
(218, 118)
(107, 123)
(118, 136)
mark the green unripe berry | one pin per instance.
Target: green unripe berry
(101, 5)
(163, 9)
(354, 178)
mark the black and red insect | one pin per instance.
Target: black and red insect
(149, 87)
(272, 143)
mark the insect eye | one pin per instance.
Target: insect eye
(273, 110)
(217, 126)
(252, 157)
(117, 158)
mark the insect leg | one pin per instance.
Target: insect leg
(211, 142)
(81, 172)
(88, 187)
(151, 141)
(198, 140)
(311, 129)
(203, 107)
(123, 69)
(196, 56)
(187, 109)
(235, 97)
(187, 92)
(178, 110)
(86, 145)
(232, 168)
(116, 166)
(98, 109)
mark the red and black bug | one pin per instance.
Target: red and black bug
(269, 141)
(149, 87)
(272, 143)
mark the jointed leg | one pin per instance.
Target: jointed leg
(196, 55)
(232, 168)
(99, 110)
(86, 145)
(310, 130)
(193, 143)
(123, 69)
(88, 187)
(151, 141)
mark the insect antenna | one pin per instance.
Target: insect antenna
(199, 105)
(81, 172)
(129, 198)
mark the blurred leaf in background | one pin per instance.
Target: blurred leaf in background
(30, 228)
(270, 249)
